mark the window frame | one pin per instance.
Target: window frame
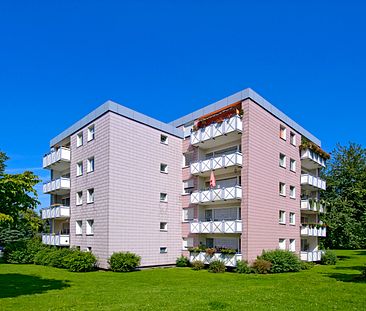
(90, 168)
(282, 217)
(78, 227)
(79, 139)
(79, 199)
(79, 168)
(90, 227)
(284, 160)
(91, 133)
(163, 250)
(283, 132)
(283, 242)
(165, 226)
(292, 165)
(90, 196)
(166, 197)
(282, 193)
(292, 192)
(164, 168)
(164, 139)
(292, 218)
(292, 138)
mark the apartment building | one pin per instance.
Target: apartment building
(238, 176)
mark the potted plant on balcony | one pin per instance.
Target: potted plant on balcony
(210, 251)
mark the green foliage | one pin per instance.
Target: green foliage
(78, 261)
(23, 251)
(363, 273)
(346, 197)
(217, 266)
(282, 261)
(182, 261)
(54, 257)
(197, 265)
(306, 265)
(242, 267)
(261, 266)
(329, 258)
(124, 261)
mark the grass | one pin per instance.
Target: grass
(31, 287)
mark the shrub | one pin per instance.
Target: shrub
(242, 267)
(24, 251)
(261, 266)
(306, 265)
(42, 257)
(182, 261)
(217, 266)
(124, 262)
(54, 257)
(282, 261)
(198, 265)
(78, 261)
(329, 258)
(363, 273)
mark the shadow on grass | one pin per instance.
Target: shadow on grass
(14, 285)
(363, 252)
(341, 258)
(346, 277)
(358, 268)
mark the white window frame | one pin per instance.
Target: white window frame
(79, 139)
(163, 226)
(292, 165)
(282, 217)
(90, 227)
(292, 219)
(282, 189)
(90, 196)
(164, 139)
(91, 133)
(282, 160)
(292, 245)
(282, 244)
(292, 192)
(79, 227)
(293, 138)
(164, 168)
(283, 132)
(90, 165)
(165, 199)
(79, 198)
(163, 250)
(79, 169)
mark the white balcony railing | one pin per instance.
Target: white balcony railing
(56, 239)
(61, 154)
(315, 158)
(233, 124)
(228, 260)
(311, 256)
(224, 161)
(61, 183)
(307, 205)
(313, 231)
(316, 182)
(223, 226)
(220, 194)
(56, 212)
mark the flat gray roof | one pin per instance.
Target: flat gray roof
(121, 110)
(242, 95)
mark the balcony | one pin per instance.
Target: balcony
(58, 186)
(228, 260)
(312, 205)
(311, 160)
(307, 230)
(217, 133)
(223, 226)
(56, 239)
(312, 183)
(311, 256)
(214, 195)
(57, 160)
(227, 161)
(56, 212)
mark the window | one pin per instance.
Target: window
(79, 139)
(187, 242)
(292, 165)
(79, 198)
(292, 192)
(188, 186)
(163, 226)
(282, 217)
(89, 249)
(90, 227)
(282, 244)
(164, 139)
(163, 197)
(79, 168)
(90, 165)
(282, 132)
(282, 189)
(163, 250)
(187, 214)
(292, 138)
(90, 196)
(282, 160)
(91, 133)
(79, 227)
(292, 218)
(163, 168)
(292, 245)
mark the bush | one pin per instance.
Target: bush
(182, 261)
(261, 266)
(242, 267)
(217, 266)
(329, 258)
(124, 262)
(54, 257)
(79, 261)
(198, 265)
(363, 273)
(306, 265)
(23, 252)
(282, 261)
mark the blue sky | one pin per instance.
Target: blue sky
(61, 59)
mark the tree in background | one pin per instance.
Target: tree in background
(346, 197)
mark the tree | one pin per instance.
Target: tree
(346, 197)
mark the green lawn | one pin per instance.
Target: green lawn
(31, 287)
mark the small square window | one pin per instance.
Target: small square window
(292, 165)
(163, 250)
(163, 168)
(163, 226)
(293, 138)
(89, 249)
(79, 168)
(163, 197)
(282, 189)
(282, 160)
(78, 227)
(90, 227)
(292, 218)
(282, 217)
(79, 139)
(90, 196)
(164, 139)
(292, 192)
(282, 132)
(292, 245)
(90, 165)
(91, 133)
(79, 198)
(282, 244)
